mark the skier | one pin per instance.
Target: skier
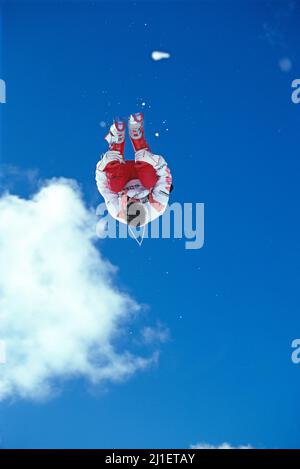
(135, 191)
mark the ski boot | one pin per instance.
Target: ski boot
(136, 132)
(116, 136)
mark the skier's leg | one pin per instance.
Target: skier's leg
(146, 174)
(112, 162)
(115, 176)
(136, 132)
(118, 174)
(116, 136)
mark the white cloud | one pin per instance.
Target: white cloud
(155, 334)
(60, 309)
(222, 446)
(157, 55)
(11, 175)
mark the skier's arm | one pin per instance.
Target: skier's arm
(159, 195)
(161, 191)
(111, 198)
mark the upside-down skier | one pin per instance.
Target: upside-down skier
(135, 191)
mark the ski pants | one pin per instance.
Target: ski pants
(118, 174)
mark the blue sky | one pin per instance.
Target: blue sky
(232, 307)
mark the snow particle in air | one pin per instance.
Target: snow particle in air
(157, 55)
(285, 64)
(102, 124)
